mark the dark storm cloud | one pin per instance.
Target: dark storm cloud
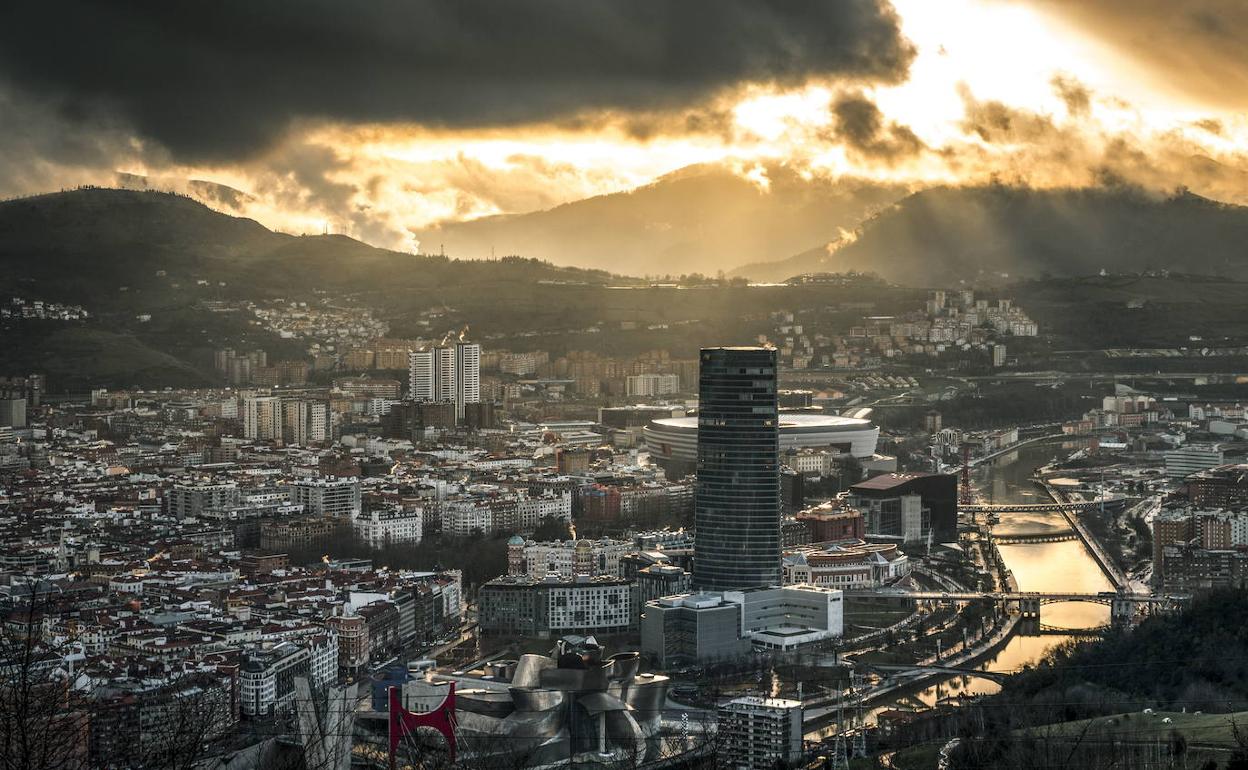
(41, 151)
(219, 80)
(1195, 47)
(860, 125)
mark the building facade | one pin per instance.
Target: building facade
(911, 507)
(450, 374)
(737, 498)
(329, 497)
(545, 608)
(759, 733)
(1186, 460)
(389, 526)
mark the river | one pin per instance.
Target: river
(1063, 566)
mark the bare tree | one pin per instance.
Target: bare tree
(43, 722)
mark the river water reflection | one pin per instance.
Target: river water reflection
(1051, 567)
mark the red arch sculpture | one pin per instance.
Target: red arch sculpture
(404, 722)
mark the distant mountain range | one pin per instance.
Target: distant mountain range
(995, 234)
(153, 268)
(702, 219)
(85, 245)
(707, 219)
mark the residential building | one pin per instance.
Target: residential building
(451, 374)
(1225, 486)
(266, 678)
(13, 412)
(195, 499)
(329, 497)
(650, 385)
(520, 606)
(262, 418)
(566, 558)
(292, 533)
(389, 526)
(759, 733)
(353, 644)
(305, 421)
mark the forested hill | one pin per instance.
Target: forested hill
(996, 234)
(1193, 661)
(84, 245)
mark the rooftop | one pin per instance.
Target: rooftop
(891, 480)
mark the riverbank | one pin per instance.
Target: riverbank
(1099, 553)
(1008, 478)
(819, 717)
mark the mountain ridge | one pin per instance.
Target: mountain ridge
(73, 244)
(995, 234)
(701, 219)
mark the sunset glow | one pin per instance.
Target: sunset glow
(1028, 92)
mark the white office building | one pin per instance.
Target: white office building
(788, 617)
(1186, 460)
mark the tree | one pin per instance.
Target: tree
(552, 529)
(43, 722)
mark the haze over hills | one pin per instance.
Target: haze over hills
(146, 264)
(700, 219)
(996, 234)
(83, 245)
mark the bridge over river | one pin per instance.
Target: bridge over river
(1124, 605)
(1111, 501)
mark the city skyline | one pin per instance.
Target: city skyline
(614, 384)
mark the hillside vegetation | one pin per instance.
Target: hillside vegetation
(998, 234)
(1071, 706)
(84, 245)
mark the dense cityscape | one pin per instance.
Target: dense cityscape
(438, 518)
(607, 384)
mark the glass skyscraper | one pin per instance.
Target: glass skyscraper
(737, 506)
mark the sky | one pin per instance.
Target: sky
(382, 119)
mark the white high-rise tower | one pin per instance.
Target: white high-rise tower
(420, 375)
(467, 376)
(446, 374)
